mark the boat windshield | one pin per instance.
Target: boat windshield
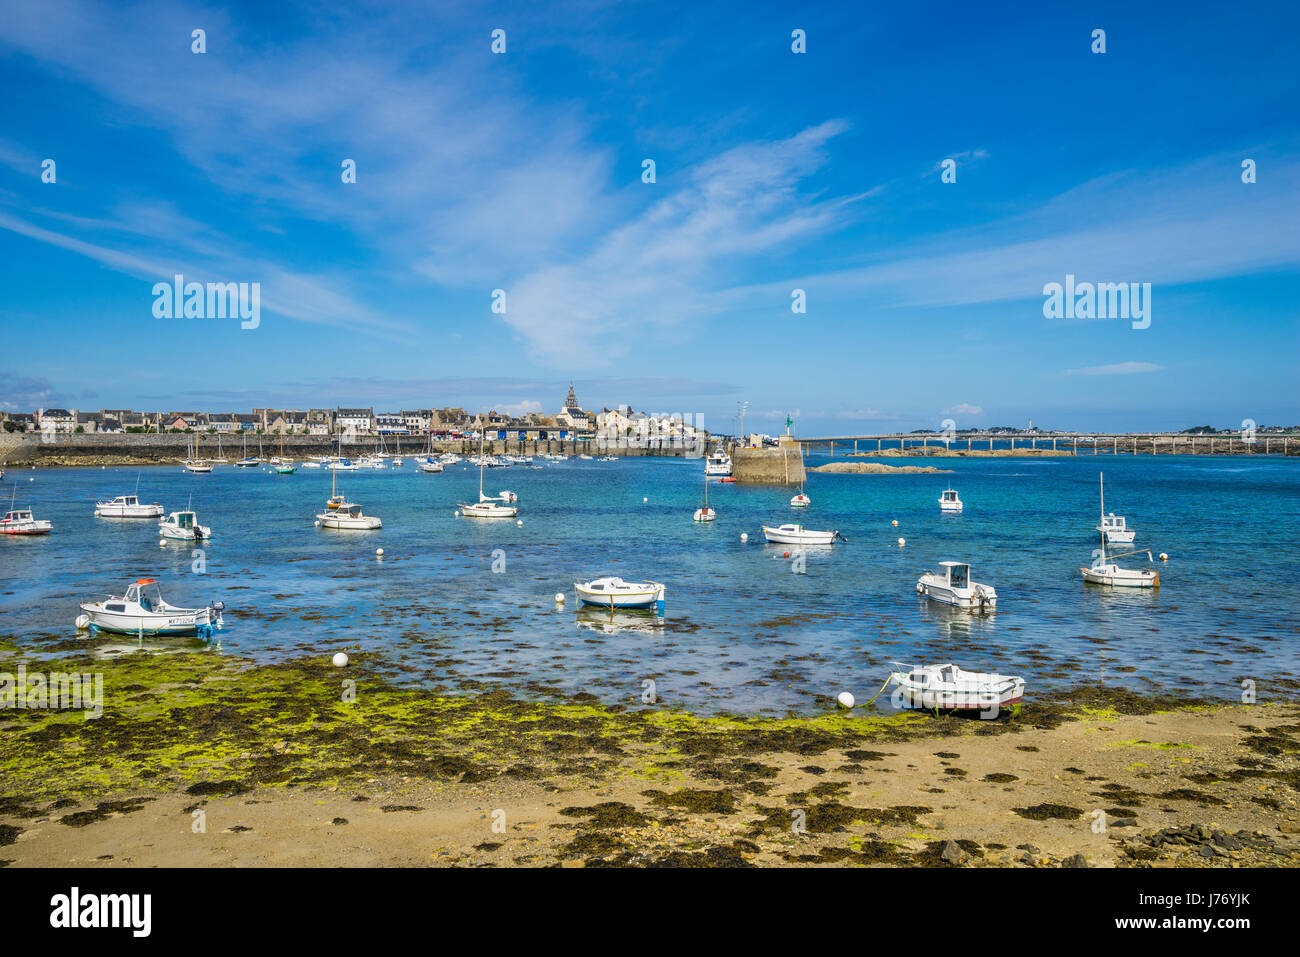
(958, 575)
(185, 519)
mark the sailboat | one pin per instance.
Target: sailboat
(489, 506)
(340, 513)
(246, 462)
(801, 500)
(1104, 571)
(193, 463)
(282, 465)
(704, 513)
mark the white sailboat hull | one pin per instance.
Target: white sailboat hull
(798, 535)
(1111, 574)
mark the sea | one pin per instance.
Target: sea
(748, 628)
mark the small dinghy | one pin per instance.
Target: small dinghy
(613, 592)
(1104, 570)
(952, 585)
(142, 611)
(19, 521)
(184, 526)
(949, 501)
(949, 688)
(791, 534)
(128, 506)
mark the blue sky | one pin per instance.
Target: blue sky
(774, 171)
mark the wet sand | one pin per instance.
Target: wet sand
(203, 761)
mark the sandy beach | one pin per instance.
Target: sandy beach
(200, 760)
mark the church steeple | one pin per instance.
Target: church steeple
(571, 401)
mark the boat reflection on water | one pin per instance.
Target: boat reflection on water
(956, 623)
(106, 645)
(610, 621)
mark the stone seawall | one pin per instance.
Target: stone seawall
(779, 466)
(57, 451)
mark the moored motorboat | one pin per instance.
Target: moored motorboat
(142, 610)
(719, 463)
(1116, 530)
(184, 526)
(949, 500)
(949, 688)
(613, 592)
(431, 465)
(792, 534)
(346, 515)
(128, 506)
(20, 521)
(800, 501)
(952, 585)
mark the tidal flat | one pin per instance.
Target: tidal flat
(202, 759)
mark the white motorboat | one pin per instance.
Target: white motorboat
(1116, 530)
(584, 457)
(719, 463)
(952, 585)
(398, 462)
(949, 501)
(1104, 570)
(340, 464)
(800, 501)
(184, 526)
(949, 688)
(431, 465)
(346, 515)
(142, 611)
(128, 506)
(614, 592)
(20, 521)
(487, 506)
(791, 534)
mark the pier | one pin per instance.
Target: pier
(1056, 443)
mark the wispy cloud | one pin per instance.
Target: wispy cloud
(963, 408)
(1116, 368)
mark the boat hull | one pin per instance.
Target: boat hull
(968, 598)
(188, 621)
(358, 523)
(1121, 577)
(652, 596)
(484, 510)
(779, 536)
(129, 511)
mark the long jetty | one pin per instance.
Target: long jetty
(1061, 443)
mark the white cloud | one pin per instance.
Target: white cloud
(517, 409)
(964, 408)
(1117, 368)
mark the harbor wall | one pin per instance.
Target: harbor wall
(770, 466)
(60, 450)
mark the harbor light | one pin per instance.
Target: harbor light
(340, 660)
(845, 700)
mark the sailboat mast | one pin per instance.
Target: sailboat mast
(1101, 479)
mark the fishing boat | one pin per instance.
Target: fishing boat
(128, 506)
(1105, 571)
(489, 506)
(20, 521)
(949, 688)
(791, 534)
(184, 526)
(143, 611)
(949, 501)
(704, 513)
(719, 463)
(614, 592)
(952, 585)
(1116, 530)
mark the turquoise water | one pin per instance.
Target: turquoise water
(742, 631)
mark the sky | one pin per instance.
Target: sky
(774, 171)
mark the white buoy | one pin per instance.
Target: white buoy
(520, 523)
(559, 598)
(340, 660)
(162, 543)
(744, 537)
(82, 622)
(318, 523)
(844, 700)
(902, 541)
(645, 500)
(457, 513)
(379, 552)
(31, 480)
(1164, 556)
(895, 523)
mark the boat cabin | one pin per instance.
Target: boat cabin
(950, 495)
(145, 592)
(182, 519)
(21, 515)
(125, 500)
(1113, 523)
(957, 574)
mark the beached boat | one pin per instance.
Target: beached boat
(952, 585)
(20, 521)
(791, 534)
(128, 506)
(184, 526)
(614, 592)
(1116, 530)
(143, 611)
(949, 688)
(1104, 570)
(949, 501)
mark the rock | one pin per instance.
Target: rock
(1289, 827)
(1027, 847)
(953, 854)
(1075, 860)
(1205, 850)
(1124, 822)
